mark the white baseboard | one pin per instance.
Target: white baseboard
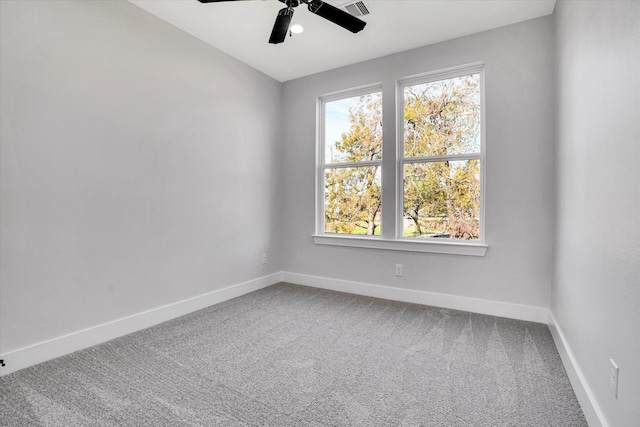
(588, 402)
(59, 346)
(475, 305)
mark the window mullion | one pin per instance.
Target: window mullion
(389, 165)
(399, 156)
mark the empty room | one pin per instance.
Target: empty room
(320, 213)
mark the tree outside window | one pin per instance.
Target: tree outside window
(438, 160)
(441, 165)
(352, 174)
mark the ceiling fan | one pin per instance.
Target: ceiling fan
(317, 7)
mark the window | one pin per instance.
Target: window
(441, 158)
(352, 161)
(429, 183)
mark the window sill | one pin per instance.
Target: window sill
(431, 246)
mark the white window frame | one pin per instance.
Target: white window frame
(399, 242)
(322, 166)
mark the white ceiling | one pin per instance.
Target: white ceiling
(242, 28)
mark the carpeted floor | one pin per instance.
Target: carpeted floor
(291, 355)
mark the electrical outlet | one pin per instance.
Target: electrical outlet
(399, 270)
(264, 258)
(614, 372)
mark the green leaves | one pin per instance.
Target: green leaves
(442, 117)
(353, 200)
(363, 142)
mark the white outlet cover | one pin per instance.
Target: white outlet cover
(399, 270)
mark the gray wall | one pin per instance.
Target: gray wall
(519, 170)
(139, 167)
(596, 292)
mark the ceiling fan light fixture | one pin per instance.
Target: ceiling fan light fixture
(296, 29)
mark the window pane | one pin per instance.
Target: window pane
(352, 200)
(442, 117)
(442, 199)
(353, 129)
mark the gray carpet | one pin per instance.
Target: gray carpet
(291, 355)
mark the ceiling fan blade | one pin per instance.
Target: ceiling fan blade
(335, 15)
(281, 26)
